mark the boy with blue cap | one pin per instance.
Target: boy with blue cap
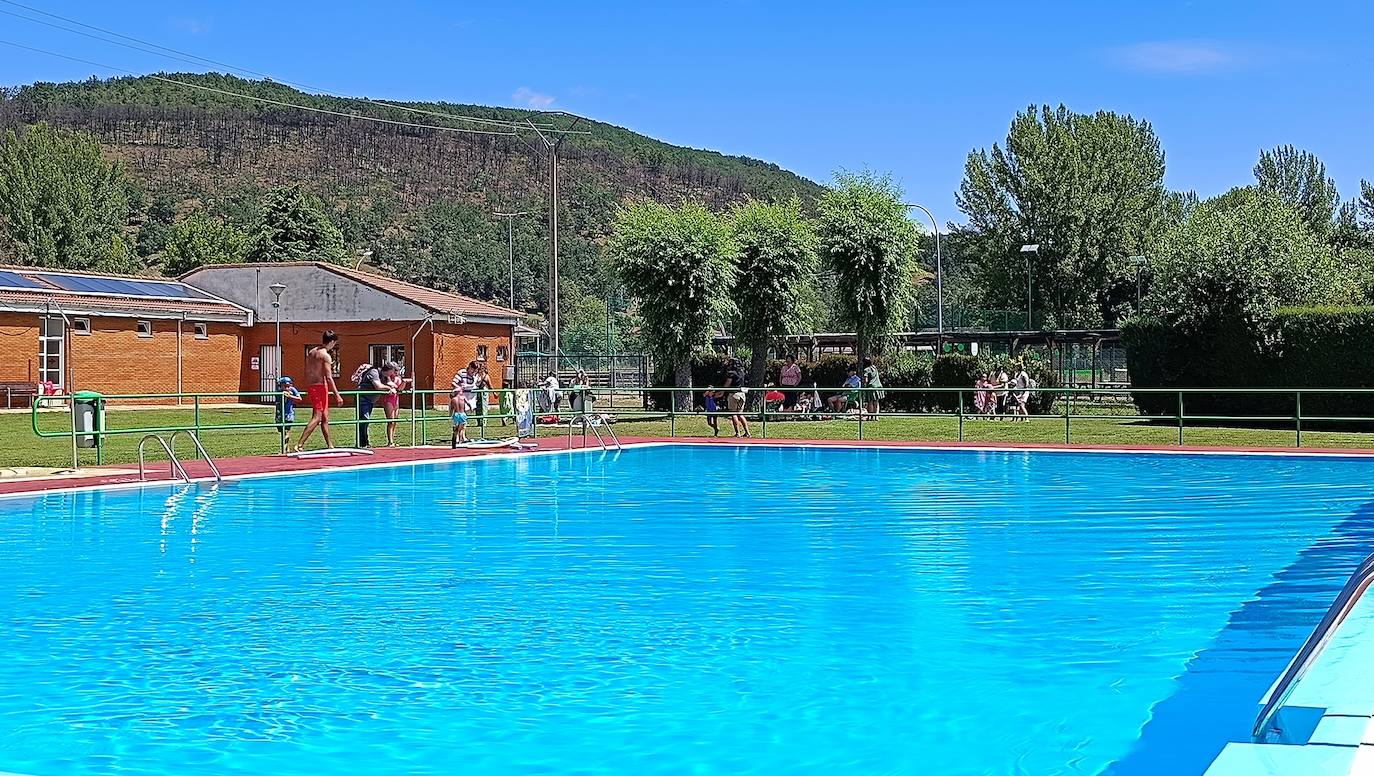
(286, 407)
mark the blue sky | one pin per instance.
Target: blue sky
(908, 88)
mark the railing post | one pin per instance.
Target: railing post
(861, 414)
(672, 413)
(961, 414)
(763, 417)
(1068, 409)
(1297, 414)
(197, 417)
(1180, 418)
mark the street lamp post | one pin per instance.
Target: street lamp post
(1028, 250)
(1139, 262)
(510, 247)
(939, 274)
(277, 289)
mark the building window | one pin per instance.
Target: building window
(202, 330)
(144, 328)
(481, 352)
(337, 367)
(81, 326)
(380, 354)
(501, 352)
(51, 350)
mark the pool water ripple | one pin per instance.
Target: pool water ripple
(671, 609)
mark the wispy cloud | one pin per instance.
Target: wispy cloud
(1180, 56)
(191, 26)
(532, 98)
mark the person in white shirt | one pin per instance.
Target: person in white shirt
(551, 394)
(1021, 398)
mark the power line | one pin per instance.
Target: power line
(266, 100)
(155, 49)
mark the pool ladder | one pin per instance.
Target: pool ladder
(174, 467)
(586, 420)
(1267, 726)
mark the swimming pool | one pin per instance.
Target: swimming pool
(679, 608)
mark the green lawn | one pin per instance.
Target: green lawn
(20, 447)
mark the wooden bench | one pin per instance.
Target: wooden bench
(22, 390)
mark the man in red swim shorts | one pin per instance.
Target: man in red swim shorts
(319, 377)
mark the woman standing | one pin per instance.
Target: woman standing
(790, 378)
(391, 403)
(874, 383)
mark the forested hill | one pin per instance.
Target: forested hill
(420, 199)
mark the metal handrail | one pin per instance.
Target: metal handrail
(1336, 614)
(174, 467)
(200, 449)
(585, 419)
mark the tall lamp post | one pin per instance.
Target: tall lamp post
(939, 273)
(1033, 248)
(1139, 262)
(510, 247)
(276, 289)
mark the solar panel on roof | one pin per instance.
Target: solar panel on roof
(124, 286)
(15, 280)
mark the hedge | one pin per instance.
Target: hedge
(1303, 347)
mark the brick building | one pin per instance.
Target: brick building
(82, 331)
(432, 333)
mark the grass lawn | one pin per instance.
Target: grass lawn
(20, 447)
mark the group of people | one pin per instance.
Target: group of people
(735, 393)
(580, 397)
(469, 396)
(1002, 395)
(381, 384)
(862, 391)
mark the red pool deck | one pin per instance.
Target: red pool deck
(269, 464)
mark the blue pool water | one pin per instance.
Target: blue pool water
(676, 609)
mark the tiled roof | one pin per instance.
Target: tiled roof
(428, 298)
(95, 304)
(38, 288)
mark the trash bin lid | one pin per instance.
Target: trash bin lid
(87, 395)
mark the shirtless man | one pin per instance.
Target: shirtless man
(319, 379)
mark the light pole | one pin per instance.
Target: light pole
(276, 289)
(510, 247)
(1139, 262)
(939, 273)
(1028, 250)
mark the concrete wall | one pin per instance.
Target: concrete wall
(312, 295)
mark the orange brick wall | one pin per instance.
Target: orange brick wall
(439, 352)
(113, 359)
(18, 347)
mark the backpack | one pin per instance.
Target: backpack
(359, 373)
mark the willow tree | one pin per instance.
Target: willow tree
(775, 256)
(869, 243)
(677, 261)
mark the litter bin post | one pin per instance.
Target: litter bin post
(89, 421)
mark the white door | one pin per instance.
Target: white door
(52, 356)
(269, 369)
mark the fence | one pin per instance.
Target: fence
(1064, 415)
(618, 370)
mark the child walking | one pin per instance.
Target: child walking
(458, 405)
(709, 400)
(286, 408)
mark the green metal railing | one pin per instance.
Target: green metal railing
(422, 408)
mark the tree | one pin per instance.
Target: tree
(157, 224)
(61, 204)
(1239, 258)
(198, 240)
(775, 256)
(1088, 189)
(294, 227)
(1299, 178)
(870, 245)
(677, 262)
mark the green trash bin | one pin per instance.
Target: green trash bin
(89, 407)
